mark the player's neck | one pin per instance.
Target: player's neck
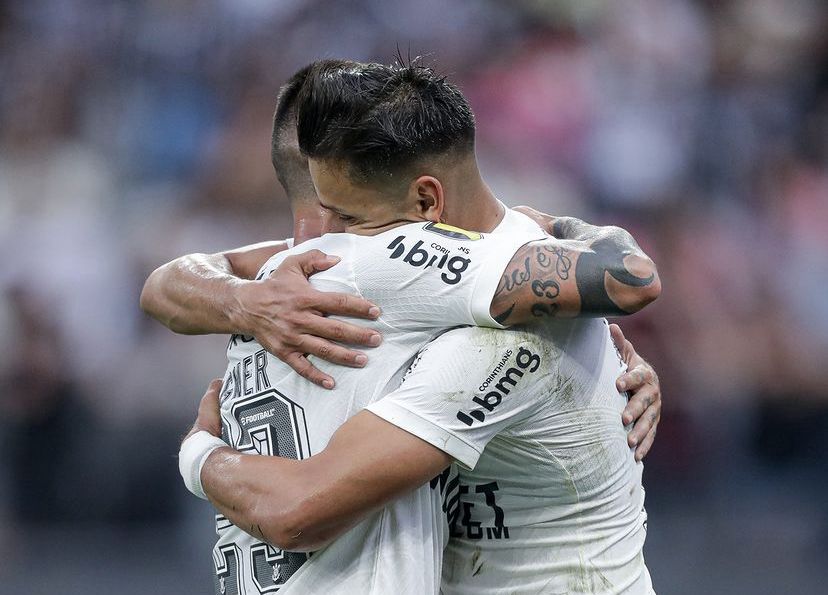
(475, 207)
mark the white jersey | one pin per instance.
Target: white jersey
(426, 278)
(550, 497)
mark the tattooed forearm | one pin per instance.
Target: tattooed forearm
(596, 271)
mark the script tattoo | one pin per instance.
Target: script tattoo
(549, 257)
(545, 267)
(549, 279)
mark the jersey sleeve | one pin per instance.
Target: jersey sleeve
(466, 387)
(434, 275)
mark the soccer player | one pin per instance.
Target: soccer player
(450, 256)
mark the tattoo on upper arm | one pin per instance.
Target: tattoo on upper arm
(543, 268)
(548, 258)
(504, 316)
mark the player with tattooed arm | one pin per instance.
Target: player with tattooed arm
(418, 273)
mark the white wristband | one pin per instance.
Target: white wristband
(191, 457)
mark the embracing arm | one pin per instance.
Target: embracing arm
(304, 505)
(196, 293)
(584, 270)
(217, 293)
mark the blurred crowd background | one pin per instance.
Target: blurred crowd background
(134, 132)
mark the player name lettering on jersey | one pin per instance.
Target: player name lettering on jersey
(247, 376)
(526, 361)
(236, 338)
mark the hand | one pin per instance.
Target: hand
(209, 413)
(288, 317)
(544, 221)
(644, 406)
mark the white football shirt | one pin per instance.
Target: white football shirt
(426, 278)
(550, 497)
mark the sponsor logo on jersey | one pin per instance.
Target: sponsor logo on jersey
(435, 255)
(452, 232)
(500, 386)
(478, 516)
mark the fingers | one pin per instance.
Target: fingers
(303, 326)
(644, 405)
(312, 261)
(331, 352)
(212, 394)
(617, 336)
(343, 304)
(341, 331)
(307, 370)
(645, 445)
(644, 425)
(625, 348)
(330, 303)
(635, 378)
(641, 400)
(209, 415)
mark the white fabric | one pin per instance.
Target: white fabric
(425, 281)
(550, 495)
(191, 457)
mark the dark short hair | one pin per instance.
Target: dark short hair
(380, 120)
(290, 165)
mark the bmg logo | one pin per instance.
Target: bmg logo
(419, 257)
(526, 362)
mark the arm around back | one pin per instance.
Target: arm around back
(217, 293)
(196, 293)
(304, 505)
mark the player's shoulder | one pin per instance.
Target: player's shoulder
(474, 349)
(516, 222)
(335, 244)
(488, 339)
(326, 243)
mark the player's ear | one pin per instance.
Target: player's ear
(430, 199)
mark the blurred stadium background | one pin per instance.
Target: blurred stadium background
(133, 132)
